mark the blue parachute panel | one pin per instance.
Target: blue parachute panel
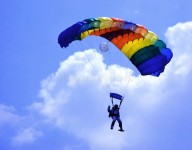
(153, 66)
(117, 96)
(70, 34)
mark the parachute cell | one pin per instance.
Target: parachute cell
(142, 47)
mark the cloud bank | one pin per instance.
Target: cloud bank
(75, 99)
(155, 111)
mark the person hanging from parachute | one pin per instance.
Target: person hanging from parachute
(114, 111)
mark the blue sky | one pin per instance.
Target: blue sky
(52, 101)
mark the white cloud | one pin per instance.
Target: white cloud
(179, 38)
(26, 136)
(8, 115)
(75, 96)
(11, 122)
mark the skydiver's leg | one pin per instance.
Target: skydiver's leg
(113, 122)
(120, 124)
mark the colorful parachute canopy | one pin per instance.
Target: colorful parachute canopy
(117, 96)
(142, 47)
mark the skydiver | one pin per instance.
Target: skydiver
(115, 115)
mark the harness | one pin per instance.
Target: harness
(114, 112)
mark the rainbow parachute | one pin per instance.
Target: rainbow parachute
(142, 47)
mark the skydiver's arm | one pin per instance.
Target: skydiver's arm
(109, 109)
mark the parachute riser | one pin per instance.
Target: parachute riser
(120, 103)
(113, 103)
(117, 96)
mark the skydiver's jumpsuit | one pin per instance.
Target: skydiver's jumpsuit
(114, 114)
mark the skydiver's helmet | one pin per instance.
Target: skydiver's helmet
(116, 106)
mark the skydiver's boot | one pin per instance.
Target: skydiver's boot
(121, 128)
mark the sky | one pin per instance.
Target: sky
(56, 99)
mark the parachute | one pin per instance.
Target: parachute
(117, 96)
(141, 46)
